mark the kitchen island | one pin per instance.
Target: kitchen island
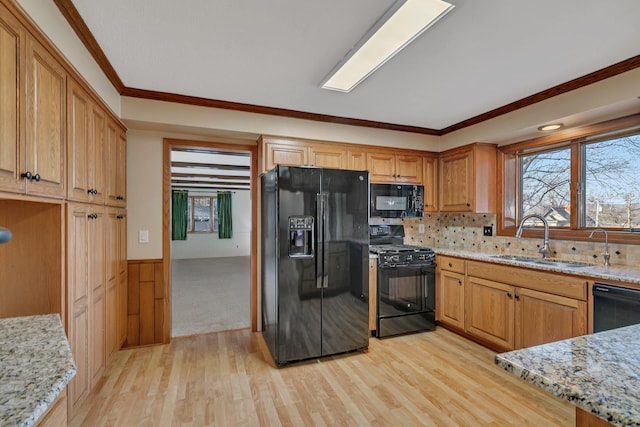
(36, 364)
(598, 373)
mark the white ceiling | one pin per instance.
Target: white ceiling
(481, 56)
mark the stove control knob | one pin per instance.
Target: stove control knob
(396, 258)
(409, 258)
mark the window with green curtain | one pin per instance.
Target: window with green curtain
(224, 215)
(179, 214)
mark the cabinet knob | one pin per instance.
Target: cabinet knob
(120, 216)
(450, 265)
(36, 177)
(27, 175)
(459, 282)
(516, 296)
(468, 204)
(509, 294)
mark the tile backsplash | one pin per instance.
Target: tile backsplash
(464, 231)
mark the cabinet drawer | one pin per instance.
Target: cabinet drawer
(553, 283)
(451, 264)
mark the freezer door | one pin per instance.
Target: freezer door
(299, 299)
(345, 310)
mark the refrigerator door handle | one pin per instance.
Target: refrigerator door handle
(325, 254)
(319, 240)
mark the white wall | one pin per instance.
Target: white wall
(208, 245)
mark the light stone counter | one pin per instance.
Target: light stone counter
(599, 373)
(596, 272)
(36, 364)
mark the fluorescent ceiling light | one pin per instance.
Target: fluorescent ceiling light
(398, 27)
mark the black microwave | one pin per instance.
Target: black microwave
(396, 200)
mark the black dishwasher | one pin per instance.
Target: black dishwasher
(614, 307)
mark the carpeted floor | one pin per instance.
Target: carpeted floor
(209, 295)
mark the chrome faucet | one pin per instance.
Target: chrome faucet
(605, 255)
(544, 250)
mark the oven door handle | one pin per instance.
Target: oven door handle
(407, 266)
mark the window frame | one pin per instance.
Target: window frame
(212, 213)
(509, 175)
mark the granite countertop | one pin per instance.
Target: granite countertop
(36, 364)
(623, 274)
(600, 373)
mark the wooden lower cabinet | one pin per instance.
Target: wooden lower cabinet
(373, 289)
(510, 317)
(450, 299)
(95, 295)
(490, 312)
(534, 308)
(543, 318)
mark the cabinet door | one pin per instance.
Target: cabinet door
(456, 189)
(11, 103)
(121, 292)
(490, 312)
(284, 154)
(121, 168)
(382, 167)
(111, 162)
(409, 169)
(78, 303)
(79, 142)
(543, 318)
(356, 160)
(430, 183)
(373, 289)
(332, 157)
(450, 295)
(112, 274)
(97, 156)
(45, 125)
(97, 288)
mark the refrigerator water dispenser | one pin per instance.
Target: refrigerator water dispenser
(301, 236)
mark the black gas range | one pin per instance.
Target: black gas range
(405, 285)
(386, 241)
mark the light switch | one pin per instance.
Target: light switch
(143, 236)
(421, 228)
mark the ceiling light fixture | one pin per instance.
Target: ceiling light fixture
(551, 126)
(398, 27)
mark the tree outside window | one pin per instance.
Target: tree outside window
(592, 180)
(203, 216)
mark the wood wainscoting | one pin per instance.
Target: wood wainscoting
(145, 308)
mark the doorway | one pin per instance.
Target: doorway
(210, 280)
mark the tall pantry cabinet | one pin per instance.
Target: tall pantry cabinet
(63, 195)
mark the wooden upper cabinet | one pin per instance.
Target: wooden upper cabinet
(282, 153)
(79, 133)
(12, 103)
(386, 166)
(327, 156)
(468, 179)
(45, 147)
(97, 170)
(356, 160)
(430, 183)
(115, 159)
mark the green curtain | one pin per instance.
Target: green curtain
(179, 214)
(224, 215)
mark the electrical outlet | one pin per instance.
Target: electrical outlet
(143, 236)
(488, 230)
(421, 228)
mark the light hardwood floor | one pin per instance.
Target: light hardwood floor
(228, 379)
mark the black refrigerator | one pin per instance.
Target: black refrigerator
(315, 259)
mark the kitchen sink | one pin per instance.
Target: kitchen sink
(544, 261)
